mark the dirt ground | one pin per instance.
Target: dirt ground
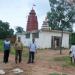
(44, 64)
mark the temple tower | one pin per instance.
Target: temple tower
(45, 25)
(32, 23)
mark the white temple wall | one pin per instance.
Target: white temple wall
(44, 40)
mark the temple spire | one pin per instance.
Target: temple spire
(32, 23)
(33, 6)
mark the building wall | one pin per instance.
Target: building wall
(45, 38)
(65, 41)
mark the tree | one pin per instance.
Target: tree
(73, 38)
(11, 31)
(5, 30)
(61, 16)
(19, 29)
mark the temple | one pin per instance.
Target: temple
(32, 23)
(44, 37)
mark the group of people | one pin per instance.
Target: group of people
(18, 46)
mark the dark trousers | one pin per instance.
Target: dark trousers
(31, 57)
(18, 56)
(71, 59)
(6, 56)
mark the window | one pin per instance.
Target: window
(35, 35)
(28, 35)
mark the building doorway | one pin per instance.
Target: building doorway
(55, 42)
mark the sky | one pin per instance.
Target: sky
(16, 11)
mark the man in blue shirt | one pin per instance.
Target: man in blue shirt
(6, 50)
(32, 50)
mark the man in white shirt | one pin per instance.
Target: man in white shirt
(72, 53)
(32, 50)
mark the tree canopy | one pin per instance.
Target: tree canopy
(60, 16)
(19, 29)
(5, 30)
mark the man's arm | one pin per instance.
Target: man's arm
(36, 48)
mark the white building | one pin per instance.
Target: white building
(45, 38)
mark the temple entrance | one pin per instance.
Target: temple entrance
(55, 42)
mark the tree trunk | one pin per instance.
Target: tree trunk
(61, 42)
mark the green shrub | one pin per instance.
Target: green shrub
(54, 74)
(12, 51)
(72, 38)
(1, 45)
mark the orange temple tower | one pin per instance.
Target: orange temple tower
(32, 23)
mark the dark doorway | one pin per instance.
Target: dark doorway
(55, 42)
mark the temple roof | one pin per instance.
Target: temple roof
(32, 11)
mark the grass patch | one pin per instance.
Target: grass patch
(12, 50)
(66, 60)
(63, 58)
(54, 74)
(57, 74)
(25, 54)
(1, 45)
(68, 64)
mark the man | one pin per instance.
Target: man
(6, 50)
(18, 48)
(32, 50)
(72, 52)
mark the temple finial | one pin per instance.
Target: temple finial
(33, 6)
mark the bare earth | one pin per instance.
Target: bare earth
(44, 64)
